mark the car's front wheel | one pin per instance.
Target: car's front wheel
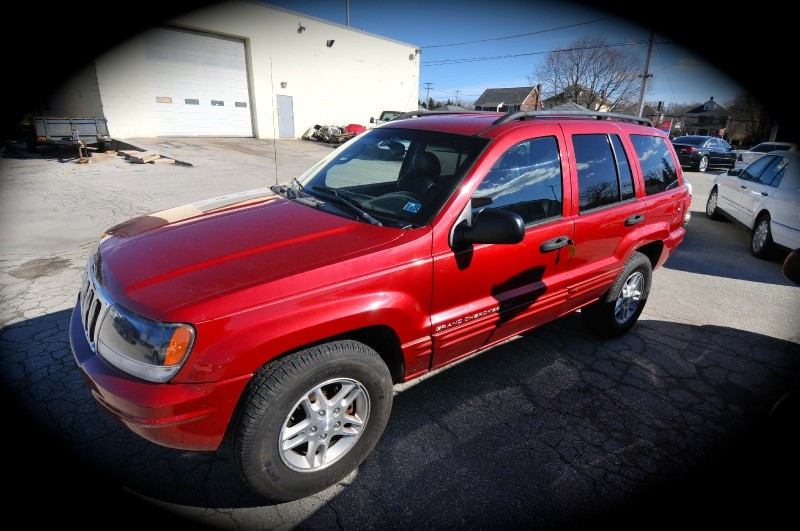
(711, 205)
(761, 244)
(309, 419)
(619, 309)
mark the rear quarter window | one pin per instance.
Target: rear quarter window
(658, 166)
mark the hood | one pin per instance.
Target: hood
(174, 258)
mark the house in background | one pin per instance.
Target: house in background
(510, 99)
(709, 118)
(578, 95)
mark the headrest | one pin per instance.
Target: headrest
(427, 164)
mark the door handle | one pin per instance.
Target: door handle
(555, 243)
(633, 220)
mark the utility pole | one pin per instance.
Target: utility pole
(428, 93)
(458, 102)
(347, 8)
(646, 74)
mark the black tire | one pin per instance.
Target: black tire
(283, 395)
(702, 164)
(618, 310)
(761, 244)
(711, 205)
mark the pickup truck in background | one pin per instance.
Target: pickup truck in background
(62, 131)
(386, 116)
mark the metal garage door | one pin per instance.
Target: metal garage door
(199, 84)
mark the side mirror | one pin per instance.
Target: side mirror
(491, 225)
(735, 172)
(372, 119)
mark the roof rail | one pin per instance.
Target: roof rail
(426, 112)
(521, 115)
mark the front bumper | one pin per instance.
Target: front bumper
(183, 416)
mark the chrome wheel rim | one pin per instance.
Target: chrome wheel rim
(711, 206)
(629, 297)
(760, 235)
(324, 425)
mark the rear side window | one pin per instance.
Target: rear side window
(658, 167)
(604, 173)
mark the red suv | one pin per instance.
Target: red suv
(276, 322)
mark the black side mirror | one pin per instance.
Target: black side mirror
(372, 119)
(491, 225)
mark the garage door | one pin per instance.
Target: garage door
(199, 84)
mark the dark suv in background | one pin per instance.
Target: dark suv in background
(699, 152)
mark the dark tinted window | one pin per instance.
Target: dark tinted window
(526, 180)
(754, 170)
(625, 174)
(598, 181)
(693, 140)
(774, 172)
(658, 167)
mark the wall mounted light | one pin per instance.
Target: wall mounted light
(283, 84)
(300, 28)
(329, 43)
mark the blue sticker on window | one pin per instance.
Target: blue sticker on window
(412, 206)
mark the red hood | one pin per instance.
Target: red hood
(201, 251)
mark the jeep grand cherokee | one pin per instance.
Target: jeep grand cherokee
(275, 322)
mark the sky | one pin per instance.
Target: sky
(469, 46)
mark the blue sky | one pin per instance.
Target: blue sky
(516, 35)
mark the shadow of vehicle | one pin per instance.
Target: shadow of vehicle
(553, 429)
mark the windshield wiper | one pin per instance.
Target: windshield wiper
(350, 204)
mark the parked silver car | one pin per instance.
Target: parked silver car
(764, 198)
(745, 158)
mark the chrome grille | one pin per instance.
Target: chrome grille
(94, 305)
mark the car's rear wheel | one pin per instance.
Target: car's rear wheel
(619, 309)
(711, 205)
(761, 244)
(309, 419)
(702, 165)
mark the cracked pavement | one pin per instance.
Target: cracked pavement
(554, 429)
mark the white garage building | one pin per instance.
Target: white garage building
(241, 69)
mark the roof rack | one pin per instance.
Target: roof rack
(521, 115)
(426, 112)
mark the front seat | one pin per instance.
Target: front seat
(425, 168)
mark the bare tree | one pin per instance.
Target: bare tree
(591, 72)
(750, 123)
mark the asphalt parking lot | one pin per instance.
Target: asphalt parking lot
(556, 429)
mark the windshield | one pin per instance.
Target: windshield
(397, 177)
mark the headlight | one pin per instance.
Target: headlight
(149, 350)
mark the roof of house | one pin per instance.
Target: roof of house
(503, 96)
(709, 108)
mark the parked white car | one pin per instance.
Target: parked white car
(745, 158)
(764, 198)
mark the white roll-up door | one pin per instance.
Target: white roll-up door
(199, 84)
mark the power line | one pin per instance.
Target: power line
(520, 35)
(491, 58)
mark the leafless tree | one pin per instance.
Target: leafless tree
(591, 72)
(750, 123)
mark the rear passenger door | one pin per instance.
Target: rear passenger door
(605, 208)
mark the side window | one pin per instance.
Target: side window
(598, 177)
(754, 170)
(658, 166)
(526, 180)
(625, 174)
(773, 174)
